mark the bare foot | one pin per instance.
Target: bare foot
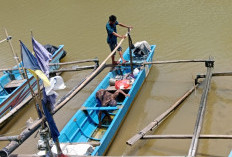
(124, 61)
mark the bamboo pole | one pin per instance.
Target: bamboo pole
(201, 112)
(186, 137)
(61, 70)
(10, 138)
(130, 45)
(98, 70)
(229, 73)
(177, 61)
(160, 118)
(14, 54)
(109, 65)
(74, 62)
(163, 62)
(74, 69)
(29, 131)
(5, 39)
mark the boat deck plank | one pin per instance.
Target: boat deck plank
(14, 83)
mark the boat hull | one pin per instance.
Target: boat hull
(83, 125)
(18, 94)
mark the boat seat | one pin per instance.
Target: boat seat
(101, 108)
(14, 83)
(3, 97)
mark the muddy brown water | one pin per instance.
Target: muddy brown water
(181, 29)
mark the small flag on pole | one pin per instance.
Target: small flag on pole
(42, 55)
(30, 62)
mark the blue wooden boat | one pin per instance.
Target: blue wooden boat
(230, 155)
(14, 89)
(82, 128)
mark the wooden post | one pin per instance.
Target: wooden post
(201, 112)
(159, 119)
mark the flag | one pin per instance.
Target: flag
(46, 102)
(30, 62)
(42, 55)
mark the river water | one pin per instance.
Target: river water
(181, 29)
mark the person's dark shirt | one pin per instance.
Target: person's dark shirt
(111, 39)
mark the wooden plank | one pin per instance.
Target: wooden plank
(100, 108)
(201, 112)
(14, 83)
(160, 118)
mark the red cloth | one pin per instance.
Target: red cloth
(122, 84)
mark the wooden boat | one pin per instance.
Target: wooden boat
(83, 126)
(14, 90)
(230, 155)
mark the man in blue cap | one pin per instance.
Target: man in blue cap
(112, 36)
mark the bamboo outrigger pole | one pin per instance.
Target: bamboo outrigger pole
(165, 62)
(29, 131)
(159, 119)
(186, 137)
(75, 62)
(201, 112)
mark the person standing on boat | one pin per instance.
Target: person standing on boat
(112, 36)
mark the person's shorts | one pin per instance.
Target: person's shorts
(112, 47)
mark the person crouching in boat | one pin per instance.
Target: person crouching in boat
(112, 36)
(105, 99)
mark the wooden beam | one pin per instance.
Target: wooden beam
(201, 112)
(145, 137)
(159, 119)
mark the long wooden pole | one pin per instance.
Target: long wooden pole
(29, 131)
(14, 54)
(201, 112)
(186, 137)
(228, 73)
(74, 69)
(130, 45)
(10, 138)
(74, 62)
(99, 69)
(177, 61)
(160, 118)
